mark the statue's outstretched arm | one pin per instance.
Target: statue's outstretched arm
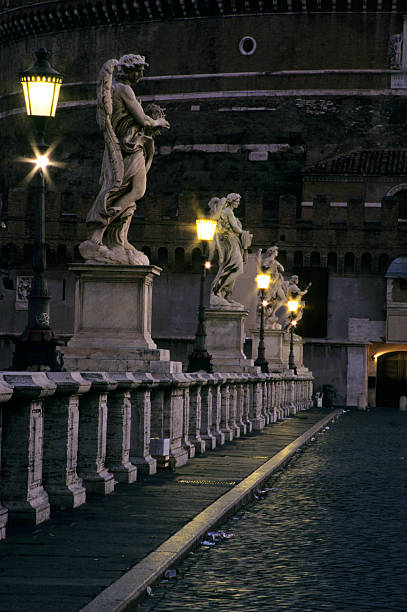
(135, 109)
(232, 220)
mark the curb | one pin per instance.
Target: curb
(122, 594)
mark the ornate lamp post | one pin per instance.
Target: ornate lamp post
(200, 359)
(263, 282)
(292, 308)
(35, 349)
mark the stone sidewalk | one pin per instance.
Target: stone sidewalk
(68, 563)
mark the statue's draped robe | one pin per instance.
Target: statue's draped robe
(137, 150)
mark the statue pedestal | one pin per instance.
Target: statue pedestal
(112, 319)
(273, 348)
(298, 345)
(225, 338)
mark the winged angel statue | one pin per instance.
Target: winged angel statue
(129, 149)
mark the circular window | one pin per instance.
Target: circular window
(247, 45)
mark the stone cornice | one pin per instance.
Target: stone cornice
(58, 15)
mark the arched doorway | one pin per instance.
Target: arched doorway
(391, 378)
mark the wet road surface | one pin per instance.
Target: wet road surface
(330, 535)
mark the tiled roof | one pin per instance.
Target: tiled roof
(367, 162)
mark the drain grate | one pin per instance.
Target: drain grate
(207, 483)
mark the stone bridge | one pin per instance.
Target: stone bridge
(66, 435)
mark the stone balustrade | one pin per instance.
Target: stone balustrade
(66, 435)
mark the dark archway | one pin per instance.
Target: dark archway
(391, 378)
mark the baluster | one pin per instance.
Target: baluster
(61, 434)
(21, 488)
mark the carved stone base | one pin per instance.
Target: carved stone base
(112, 329)
(98, 483)
(70, 496)
(273, 348)
(146, 466)
(298, 344)
(225, 338)
(178, 456)
(124, 472)
(94, 253)
(29, 512)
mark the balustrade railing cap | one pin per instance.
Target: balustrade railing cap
(177, 379)
(245, 376)
(31, 385)
(197, 378)
(220, 377)
(69, 383)
(233, 375)
(125, 380)
(145, 379)
(240, 377)
(216, 378)
(101, 381)
(262, 376)
(5, 391)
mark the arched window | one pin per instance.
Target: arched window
(62, 254)
(51, 256)
(366, 263)
(9, 252)
(28, 253)
(315, 259)
(298, 259)
(401, 198)
(179, 257)
(162, 257)
(196, 260)
(77, 257)
(282, 258)
(384, 261)
(349, 263)
(333, 262)
(147, 251)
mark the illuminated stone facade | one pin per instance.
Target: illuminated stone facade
(259, 95)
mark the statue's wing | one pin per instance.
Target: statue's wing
(104, 119)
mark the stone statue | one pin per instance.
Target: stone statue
(293, 292)
(232, 243)
(276, 296)
(129, 149)
(395, 49)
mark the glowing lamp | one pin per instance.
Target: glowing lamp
(263, 281)
(205, 229)
(292, 305)
(42, 161)
(41, 86)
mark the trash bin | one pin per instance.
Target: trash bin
(329, 395)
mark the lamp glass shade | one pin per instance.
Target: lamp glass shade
(41, 86)
(205, 229)
(263, 281)
(292, 305)
(41, 95)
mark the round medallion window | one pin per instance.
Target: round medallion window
(247, 45)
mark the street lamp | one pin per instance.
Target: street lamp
(200, 359)
(292, 306)
(35, 349)
(263, 282)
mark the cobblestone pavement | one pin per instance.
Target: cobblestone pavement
(329, 535)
